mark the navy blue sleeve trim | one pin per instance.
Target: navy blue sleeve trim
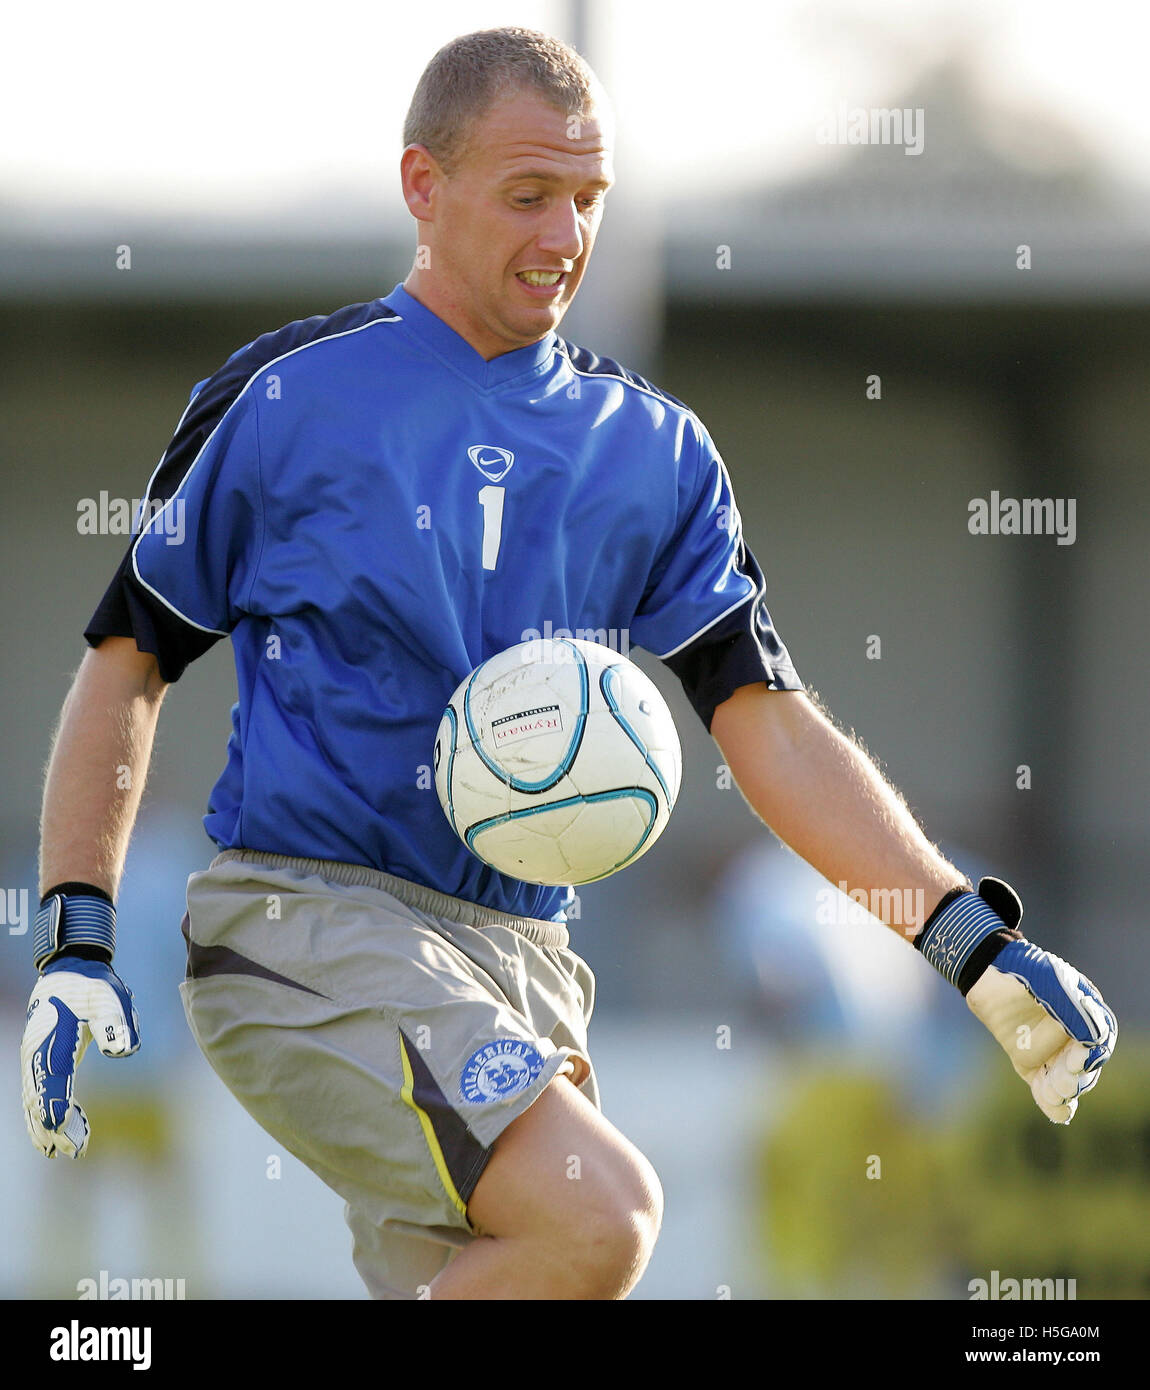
(742, 649)
(127, 608)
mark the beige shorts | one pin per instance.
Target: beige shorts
(384, 1034)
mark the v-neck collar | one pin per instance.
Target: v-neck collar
(458, 352)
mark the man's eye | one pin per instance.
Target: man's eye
(529, 200)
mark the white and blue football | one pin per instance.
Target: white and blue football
(558, 762)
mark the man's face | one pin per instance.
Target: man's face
(523, 204)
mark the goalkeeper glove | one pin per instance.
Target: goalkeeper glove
(1051, 1020)
(78, 998)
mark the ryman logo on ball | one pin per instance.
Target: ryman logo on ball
(547, 719)
(502, 1068)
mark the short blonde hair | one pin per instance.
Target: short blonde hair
(469, 74)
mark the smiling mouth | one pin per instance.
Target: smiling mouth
(541, 279)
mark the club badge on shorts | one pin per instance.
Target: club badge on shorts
(500, 1069)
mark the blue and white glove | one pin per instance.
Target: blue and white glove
(1051, 1020)
(78, 998)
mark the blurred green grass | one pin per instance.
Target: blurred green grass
(861, 1198)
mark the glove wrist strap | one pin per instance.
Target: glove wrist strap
(965, 932)
(77, 921)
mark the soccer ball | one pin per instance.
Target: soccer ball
(557, 762)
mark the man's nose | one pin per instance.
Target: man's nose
(563, 233)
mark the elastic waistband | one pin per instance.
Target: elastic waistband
(413, 895)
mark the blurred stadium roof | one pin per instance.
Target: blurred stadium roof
(859, 221)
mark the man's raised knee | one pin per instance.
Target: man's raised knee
(578, 1199)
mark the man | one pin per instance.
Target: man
(351, 968)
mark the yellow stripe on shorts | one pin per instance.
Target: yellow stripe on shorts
(408, 1094)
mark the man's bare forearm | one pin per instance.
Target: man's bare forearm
(98, 766)
(821, 794)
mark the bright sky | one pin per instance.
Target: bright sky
(233, 109)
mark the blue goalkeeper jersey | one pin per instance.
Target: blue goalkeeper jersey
(370, 509)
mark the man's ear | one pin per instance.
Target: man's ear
(420, 175)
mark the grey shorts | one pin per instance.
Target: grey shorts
(384, 1034)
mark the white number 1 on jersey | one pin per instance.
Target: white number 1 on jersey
(491, 500)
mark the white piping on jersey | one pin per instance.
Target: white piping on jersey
(163, 456)
(328, 337)
(652, 391)
(761, 590)
(755, 593)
